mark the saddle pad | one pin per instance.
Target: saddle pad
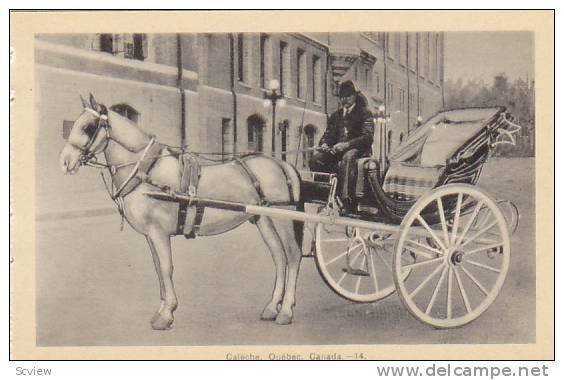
(408, 182)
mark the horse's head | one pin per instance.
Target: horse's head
(89, 136)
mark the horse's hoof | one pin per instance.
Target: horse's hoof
(268, 314)
(283, 319)
(162, 323)
(155, 317)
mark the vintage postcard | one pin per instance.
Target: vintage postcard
(282, 185)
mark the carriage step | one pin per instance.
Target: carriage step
(356, 272)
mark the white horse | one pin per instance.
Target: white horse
(138, 164)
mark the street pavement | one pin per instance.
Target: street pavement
(96, 285)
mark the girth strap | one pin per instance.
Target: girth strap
(253, 178)
(190, 171)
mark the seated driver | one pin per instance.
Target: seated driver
(348, 136)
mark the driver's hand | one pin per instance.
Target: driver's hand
(340, 146)
(324, 147)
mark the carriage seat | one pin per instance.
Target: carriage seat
(405, 181)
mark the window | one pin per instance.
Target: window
(367, 76)
(284, 126)
(420, 106)
(377, 83)
(284, 67)
(401, 99)
(127, 111)
(107, 43)
(412, 51)
(437, 67)
(309, 142)
(301, 74)
(316, 79)
(255, 132)
(401, 138)
(263, 60)
(132, 46)
(240, 57)
(427, 52)
(390, 94)
(403, 48)
(389, 143)
(226, 139)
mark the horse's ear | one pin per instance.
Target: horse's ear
(94, 103)
(84, 102)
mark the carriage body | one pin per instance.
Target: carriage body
(450, 148)
(427, 188)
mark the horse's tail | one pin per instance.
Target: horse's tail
(294, 176)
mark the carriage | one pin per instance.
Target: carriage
(422, 221)
(422, 227)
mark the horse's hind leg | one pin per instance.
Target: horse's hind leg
(292, 249)
(159, 242)
(274, 244)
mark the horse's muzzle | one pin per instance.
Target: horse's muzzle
(69, 159)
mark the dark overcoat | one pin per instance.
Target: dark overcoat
(356, 128)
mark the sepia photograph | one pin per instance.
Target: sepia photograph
(285, 188)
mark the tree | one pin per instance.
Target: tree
(516, 96)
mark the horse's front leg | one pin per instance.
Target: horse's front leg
(159, 275)
(159, 242)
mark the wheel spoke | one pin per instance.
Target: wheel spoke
(336, 240)
(425, 281)
(436, 291)
(443, 219)
(351, 264)
(456, 219)
(469, 224)
(340, 255)
(485, 220)
(383, 260)
(479, 233)
(376, 289)
(420, 253)
(430, 230)
(475, 281)
(462, 291)
(421, 263)
(483, 266)
(486, 247)
(449, 294)
(357, 287)
(425, 247)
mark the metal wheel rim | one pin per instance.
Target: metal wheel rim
(447, 272)
(351, 294)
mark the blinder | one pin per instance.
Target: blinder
(92, 132)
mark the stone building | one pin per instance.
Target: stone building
(208, 91)
(402, 71)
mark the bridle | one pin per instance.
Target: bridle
(87, 155)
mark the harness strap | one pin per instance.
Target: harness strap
(253, 178)
(288, 180)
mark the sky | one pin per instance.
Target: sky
(482, 55)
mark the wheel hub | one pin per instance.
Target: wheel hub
(456, 257)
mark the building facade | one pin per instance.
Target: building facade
(207, 91)
(401, 72)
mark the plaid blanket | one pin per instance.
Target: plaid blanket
(408, 182)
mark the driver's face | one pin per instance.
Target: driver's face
(347, 101)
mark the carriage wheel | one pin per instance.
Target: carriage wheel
(462, 260)
(355, 263)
